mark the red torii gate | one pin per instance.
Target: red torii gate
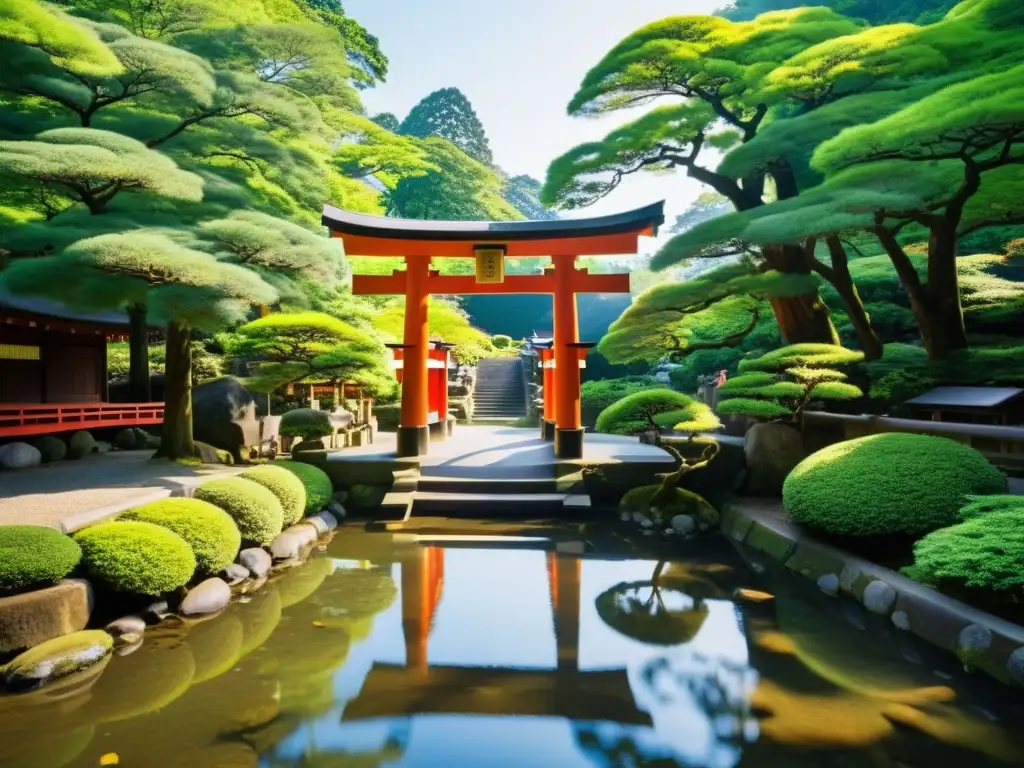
(489, 243)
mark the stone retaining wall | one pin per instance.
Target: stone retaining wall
(979, 639)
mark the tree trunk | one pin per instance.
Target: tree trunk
(947, 331)
(139, 389)
(176, 440)
(804, 318)
(840, 279)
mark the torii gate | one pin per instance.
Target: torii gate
(489, 243)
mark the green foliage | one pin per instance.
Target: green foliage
(447, 113)
(445, 323)
(33, 557)
(501, 341)
(306, 423)
(802, 355)
(922, 11)
(81, 443)
(319, 489)
(763, 384)
(52, 448)
(887, 484)
(656, 409)
(754, 409)
(977, 506)
(255, 510)
(208, 530)
(136, 557)
(598, 394)
(983, 552)
(523, 193)
(285, 485)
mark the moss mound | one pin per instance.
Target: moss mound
(285, 485)
(684, 502)
(887, 484)
(306, 423)
(32, 557)
(127, 440)
(319, 488)
(983, 552)
(135, 557)
(81, 443)
(977, 506)
(210, 531)
(51, 448)
(255, 510)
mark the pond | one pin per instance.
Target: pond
(466, 650)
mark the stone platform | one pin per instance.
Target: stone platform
(487, 470)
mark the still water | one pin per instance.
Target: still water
(392, 651)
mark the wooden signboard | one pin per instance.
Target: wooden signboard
(490, 264)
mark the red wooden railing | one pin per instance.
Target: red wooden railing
(17, 419)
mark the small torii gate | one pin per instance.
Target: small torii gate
(489, 243)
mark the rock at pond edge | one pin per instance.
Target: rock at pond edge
(208, 596)
(56, 659)
(256, 560)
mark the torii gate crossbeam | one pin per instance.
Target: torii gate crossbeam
(420, 241)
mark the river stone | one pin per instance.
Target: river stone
(208, 596)
(317, 523)
(1015, 666)
(335, 508)
(625, 517)
(683, 524)
(256, 560)
(156, 612)
(330, 519)
(974, 640)
(829, 584)
(647, 523)
(19, 456)
(235, 574)
(56, 659)
(879, 597)
(287, 546)
(901, 620)
(127, 630)
(771, 452)
(307, 534)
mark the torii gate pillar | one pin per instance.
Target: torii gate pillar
(569, 427)
(414, 431)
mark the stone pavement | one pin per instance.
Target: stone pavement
(68, 494)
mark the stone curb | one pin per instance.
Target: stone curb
(978, 639)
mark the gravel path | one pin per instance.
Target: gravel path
(51, 493)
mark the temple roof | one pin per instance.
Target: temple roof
(644, 220)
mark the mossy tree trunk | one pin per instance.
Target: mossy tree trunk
(804, 318)
(139, 387)
(670, 480)
(838, 276)
(177, 441)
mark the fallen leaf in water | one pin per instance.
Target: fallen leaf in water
(319, 624)
(754, 595)
(110, 758)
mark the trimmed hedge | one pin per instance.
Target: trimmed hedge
(210, 531)
(319, 488)
(255, 510)
(285, 485)
(33, 557)
(887, 484)
(306, 423)
(985, 552)
(136, 557)
(669, 410)
(81, 443)
(51, 448)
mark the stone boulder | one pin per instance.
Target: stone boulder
(19, 456)
(57, 658)
(208, 596)
(51, 447)
(224, 416)
(771, 451)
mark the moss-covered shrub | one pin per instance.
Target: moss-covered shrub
(319, 489)
(598, 394)
(389, 416)
(285, 485)
(81, 443)
(135, 557)
(887, 484)
(51, 448)
(126, 440)
(501, 341)
(306, 423)
(977, 506)
(32, 557)
(983, 552)
(255, 510)
(209, 530)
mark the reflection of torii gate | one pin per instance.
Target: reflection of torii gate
(418, 688)
(490, 242)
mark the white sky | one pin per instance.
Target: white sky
(519, 63)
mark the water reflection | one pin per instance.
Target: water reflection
(467, 655)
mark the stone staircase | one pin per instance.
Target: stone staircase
(499, 395)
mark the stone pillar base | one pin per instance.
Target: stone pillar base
(547, 430)
(440, 431)
(413, 441)
(569, 443)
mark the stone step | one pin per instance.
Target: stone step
(479, 485)
(482, 505)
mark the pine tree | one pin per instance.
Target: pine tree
(523, 192)
(448, 114)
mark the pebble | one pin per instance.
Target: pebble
(879, 597)
(335, 508)
(126, 630)
(156, 612)
(683, 524)
(331, 520)
(287, 546)
(1015, 666)
(235, 574)
(318, 523)
(208, 596)
(256, 560)
(829, 584)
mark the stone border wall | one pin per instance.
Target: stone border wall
(979, 639)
